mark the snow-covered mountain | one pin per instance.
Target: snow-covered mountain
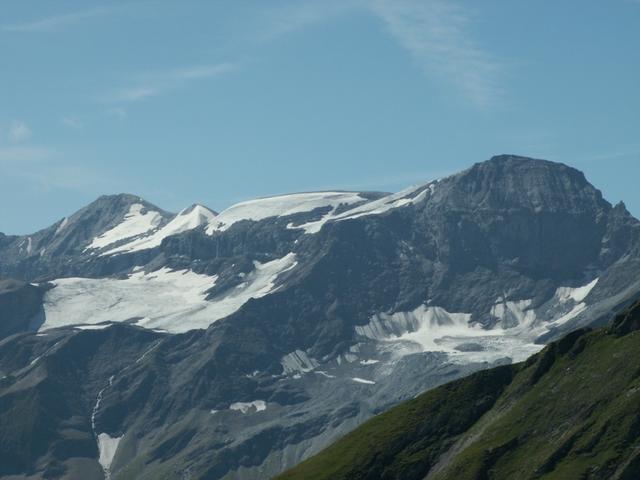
(233, 345)
(188, 219)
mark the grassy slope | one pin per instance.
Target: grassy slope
(570, 412)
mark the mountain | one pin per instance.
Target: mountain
(109, 221)
(253, 338)
(570, 411)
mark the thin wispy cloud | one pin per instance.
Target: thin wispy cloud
(72, 122)
(153, 84)
(46, 169)
(57, 22)
(436, 34)
(19, 131)
(117, 112)
(19, 155)
(613, 156)
(277, 22)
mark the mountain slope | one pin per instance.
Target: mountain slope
(68, 245)
(299, 317)
(570, 411)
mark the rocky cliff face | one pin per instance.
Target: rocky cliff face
(20, 306)
(260, 334)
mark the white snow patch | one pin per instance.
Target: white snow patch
(369, 362)
(513, 313)
(575, 296)
(362, 380)
(564, 294)
(325, 374)
(297, 362)
(408, 196)
(92, 327)
(519, 318)
(281, 206)
(107, 447)
(173, 301)
(350, 357)
(573, 313)
(433, 329)
(346, 357)
(135, 223)
(187, 219)
(246, 407)
(405, 197)
(63, 224)
(422, 326)
(29, 246)
(258, 283)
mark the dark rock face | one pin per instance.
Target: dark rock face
(48, 391)
(628, 321)
(20, 306)
(508, 231)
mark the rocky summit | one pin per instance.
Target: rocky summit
(138, 343)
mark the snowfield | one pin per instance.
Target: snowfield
(408, 196)
(433, 329)
(107, 447)
(281, 206)
(188, 219)
(173, 301)
(142, 229)
(362, 380)
(135, 223)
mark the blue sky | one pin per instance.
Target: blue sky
(220, 101)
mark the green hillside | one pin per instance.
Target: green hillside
(570, 412)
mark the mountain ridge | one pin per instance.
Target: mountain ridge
(277, 334)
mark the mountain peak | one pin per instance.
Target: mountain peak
(512, 161)
(517, 182)
(510, 164)
(510, 157)
(121, 196)
(198, 207)
(120, 201)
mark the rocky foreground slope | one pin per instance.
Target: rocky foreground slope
(234, 345)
